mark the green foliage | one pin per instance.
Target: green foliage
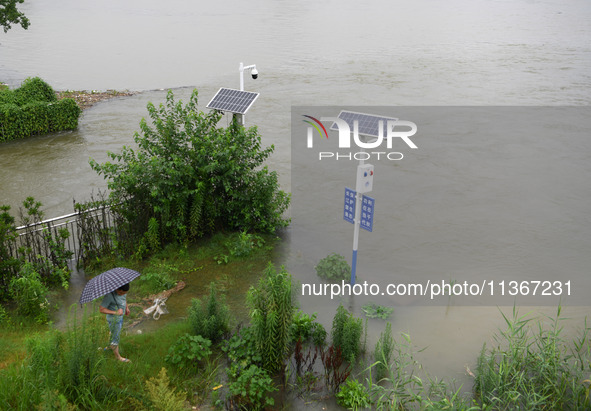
(250, 388)
(3, 316)
(33, 109)
(210, 319)
(60, 368)
(534, 368)
(152, 282)
(194, 177)
(353, 395)
(241, 349)
(162, 396)
(10, 15)
(383, 352)
(188, 351)
(334, 267)
(304, 328)
(8, 263)
(346, 333)
(271, 311)
(30, 294)
(373, 310)
(240, 245)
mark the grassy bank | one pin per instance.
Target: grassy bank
(532, 365)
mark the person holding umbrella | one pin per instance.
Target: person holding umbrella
(113, 285)
(114, 305)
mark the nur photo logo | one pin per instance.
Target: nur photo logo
(368, 133)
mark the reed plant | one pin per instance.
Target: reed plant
(533, 366)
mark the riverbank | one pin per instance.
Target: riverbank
(86, 99)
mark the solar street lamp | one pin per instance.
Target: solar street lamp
(234, 101)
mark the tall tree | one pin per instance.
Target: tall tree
(9, 15)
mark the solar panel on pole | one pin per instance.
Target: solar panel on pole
(233, 101)
(368, 123)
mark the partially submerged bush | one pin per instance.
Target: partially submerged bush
(353, 395)
(346, 333)
(334, 267)
(211, 318)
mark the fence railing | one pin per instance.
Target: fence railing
(29, 235)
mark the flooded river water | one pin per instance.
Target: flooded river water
(381, 53)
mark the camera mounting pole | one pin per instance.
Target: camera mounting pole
(242, 68)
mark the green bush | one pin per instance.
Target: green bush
(30, 294)
(33, 109)
(346, 334)
(194, 177)
(271, 312)
(353, 395)
(241, 349)
(152, 282)
(210, 319)
(334, 267)
(250, 388)
(305, 328)
(188, 351)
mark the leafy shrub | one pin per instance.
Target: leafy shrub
(188, 351)
(271, 311)
(373, 310)
(304, 328)
(250, 388)
(353, 395)
(153, 281)
(30, 294)
(194, 177)
(241, 349)
(346, 333)
(383, 352)
(240, 245)
(334, 267)
(212, 318)
(33, 109)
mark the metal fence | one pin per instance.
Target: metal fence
(35, 236)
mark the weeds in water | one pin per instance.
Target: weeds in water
(353, 395)
(210, 319)
(373, 310)
(383, 352)
(534, 367)
(346, 333)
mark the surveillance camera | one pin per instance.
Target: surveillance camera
(254, 73)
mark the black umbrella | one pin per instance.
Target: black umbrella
(106, 283)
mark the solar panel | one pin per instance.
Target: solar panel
(368, 123)
(234, 101)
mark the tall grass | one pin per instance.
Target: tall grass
(534, 367)
(61, 367)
